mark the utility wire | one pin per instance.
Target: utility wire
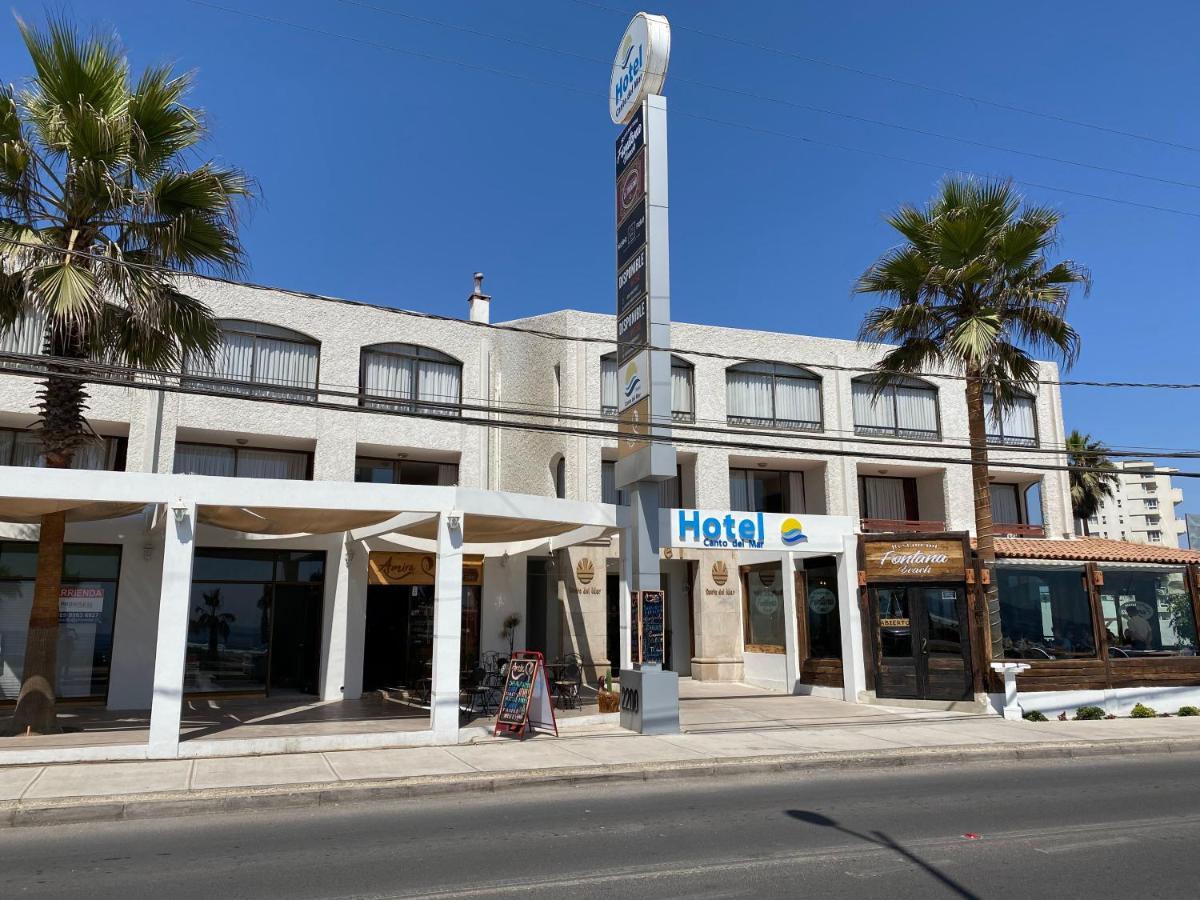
(558, 336)
(930, 88)
(677, 79)
(492, 70)
(485, 422)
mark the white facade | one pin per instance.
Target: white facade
(1142, 509)
(870, 481)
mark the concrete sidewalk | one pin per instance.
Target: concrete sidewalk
(727, 730)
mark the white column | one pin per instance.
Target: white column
(791, 640)
(447, 631)
(854, 669)
(166, 708)
(340, 556)
(356, 621)
(625, 609)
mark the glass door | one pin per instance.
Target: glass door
(922, 647)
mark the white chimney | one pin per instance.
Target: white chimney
(480, 303)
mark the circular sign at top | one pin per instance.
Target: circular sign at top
(640, 66)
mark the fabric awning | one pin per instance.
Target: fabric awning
(272, 520)
(482, 529)
(29, 511)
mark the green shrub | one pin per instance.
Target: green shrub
(1089, 712)
(1189, 711)
(1034, 715)
(1141, 711)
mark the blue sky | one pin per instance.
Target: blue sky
(390, 177)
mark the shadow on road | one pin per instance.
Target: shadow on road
(879, 839)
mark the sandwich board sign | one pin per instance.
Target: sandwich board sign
(525, 699)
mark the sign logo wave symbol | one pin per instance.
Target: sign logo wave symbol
(634, 384)
(792, 532)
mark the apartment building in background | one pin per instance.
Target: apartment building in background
(1142, 509)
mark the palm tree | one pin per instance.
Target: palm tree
(102, 190)
(209, 618)
(970, 290)
(1089, 487)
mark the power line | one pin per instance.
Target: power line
(491, 70)
(553, 335)
(933, 89)
(852, 117)
(310, 403)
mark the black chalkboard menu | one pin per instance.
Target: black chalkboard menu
(653, 625)
(525, 699)
(518, 690)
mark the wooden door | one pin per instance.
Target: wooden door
(922, 642)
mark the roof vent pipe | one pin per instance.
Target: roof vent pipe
(480, 303)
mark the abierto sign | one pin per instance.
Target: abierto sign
(915, 560)
(640, 66)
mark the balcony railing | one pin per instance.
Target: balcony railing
(1012, 529)
(903, 526)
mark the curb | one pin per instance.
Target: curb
(132, 807)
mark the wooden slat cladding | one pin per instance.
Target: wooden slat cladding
(1092, 674)
(822, 672)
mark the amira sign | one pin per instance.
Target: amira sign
(640, 66)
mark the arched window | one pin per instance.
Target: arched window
(906, 408)
(269, 360)
(411, 378)
(683, 388)
(26, 335)
(1017, 427)
(773, 395)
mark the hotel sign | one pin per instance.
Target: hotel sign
(915, 560)
(706, 529)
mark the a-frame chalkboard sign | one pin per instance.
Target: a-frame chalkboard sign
(525, 700)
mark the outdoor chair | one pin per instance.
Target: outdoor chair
(567, 682)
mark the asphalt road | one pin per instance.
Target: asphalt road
(1072, 828)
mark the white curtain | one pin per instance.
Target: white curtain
(385, 375)
(27, 449)
(1018, 420)
(439, 382)
(199, 459)
(7, 439)
(271, 464)
(796, 500)
(28, 336)
(1006, 509)
(448, 474)
(739, 491)
(608, 382)
(884, 498)
(608, 482)
(24, 448)
(797, 400)
(286, 363)
(681, 390)
(871, 411)
(748, 395)
(916, 408)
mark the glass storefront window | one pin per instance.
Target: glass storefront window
(824, 622)
(254, 620)
(764, 609)
(1045, 612)
(1147, 613)
(87, 610)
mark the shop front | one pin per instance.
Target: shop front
(919, 614)
(399, 641)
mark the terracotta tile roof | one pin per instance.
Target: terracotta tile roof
(1093, 550)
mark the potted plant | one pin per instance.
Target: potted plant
(608, 699)
(508, 630)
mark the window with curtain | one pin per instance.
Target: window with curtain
(1017, 426)
(25, 336)
(773, 395)
(907, 408)
(410, 378)
(1006, 504)
(683, 394)
(20, 447)
(888, 498)
(240, 462)
(405, 471)
(669, 492)
(269, 360)
(764, 490)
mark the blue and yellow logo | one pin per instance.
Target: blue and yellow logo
(792, 532)
(633, 383)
